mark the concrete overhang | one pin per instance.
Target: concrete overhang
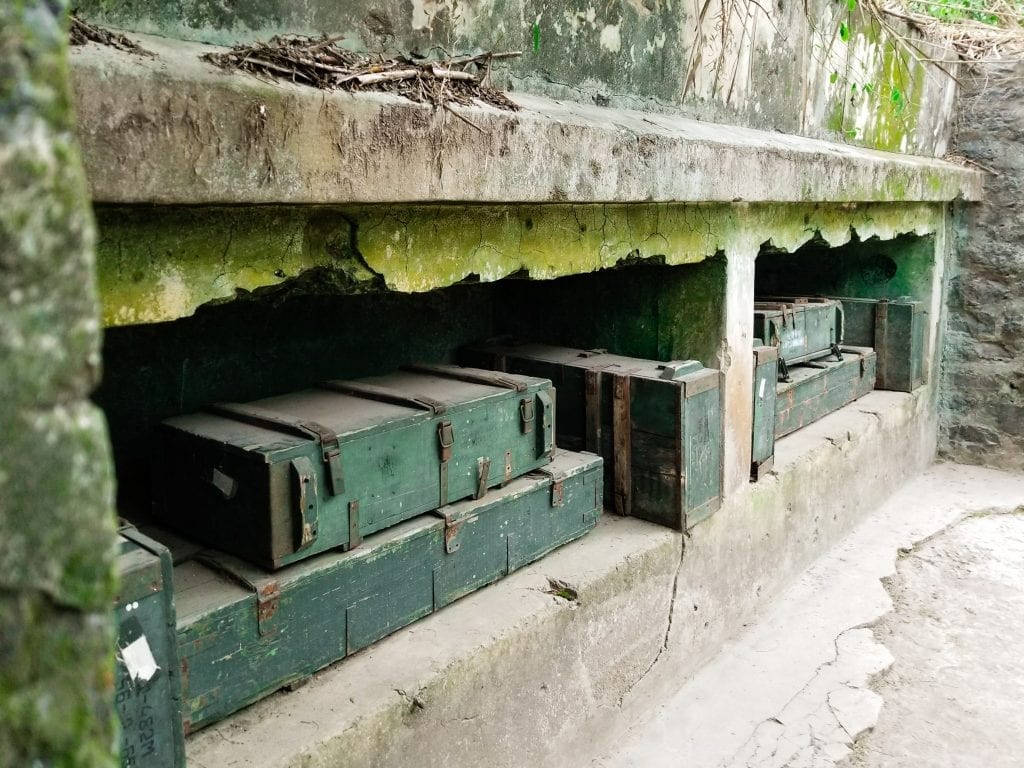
(173, 129)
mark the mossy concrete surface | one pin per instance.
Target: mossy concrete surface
(816, 68)
(173, 129)
(161, 263)
(56, 518)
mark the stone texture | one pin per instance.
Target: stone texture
(56, 523)
(983, 399)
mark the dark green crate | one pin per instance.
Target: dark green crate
(148, 685)
(802, 328)
(244, 632)
(896, 328)
(762, 443)
(284, 478)
(658, 426)
(818, 389)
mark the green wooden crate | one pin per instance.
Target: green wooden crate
(818, 389)
(803, 328)
(896, 328)
(244, 633)
(658, 426)
(148, 685)
(285, 478)
(762, 443)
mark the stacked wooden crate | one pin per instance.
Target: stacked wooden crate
(828, 352)
(307, 526)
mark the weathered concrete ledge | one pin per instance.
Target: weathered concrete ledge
(174, 129)
(513, 676)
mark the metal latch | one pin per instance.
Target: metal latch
(335, 474)
(526, 415)
(446, 439)
(355, 538)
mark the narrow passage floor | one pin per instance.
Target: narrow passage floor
(900, 647)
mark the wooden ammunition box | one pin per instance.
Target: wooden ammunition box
(897, 329)
(244, 633)
(281, 479)
(658, 425)
(818, 389)
(803, 328)
(148, 684)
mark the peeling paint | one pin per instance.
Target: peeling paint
(611, 41)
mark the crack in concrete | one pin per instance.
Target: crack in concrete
(668, 630)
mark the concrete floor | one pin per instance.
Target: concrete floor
(932, 657)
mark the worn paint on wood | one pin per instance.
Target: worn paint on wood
(658, 426)
(148, 700)
(244, 633)
(284, 478)
(762, 445)
(818, 389)
(896, 328)
(802, 329)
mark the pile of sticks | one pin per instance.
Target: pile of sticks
(319, 62)
(82, 32)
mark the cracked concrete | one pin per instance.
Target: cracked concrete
(952, 697)
(796, 689)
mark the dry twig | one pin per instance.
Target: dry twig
(82, 32)
(321, 63)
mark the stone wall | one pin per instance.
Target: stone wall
(56, 520)
(983, 399)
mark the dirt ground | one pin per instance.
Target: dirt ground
(954, 696)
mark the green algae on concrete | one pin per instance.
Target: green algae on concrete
(56, 517)
(161, 264)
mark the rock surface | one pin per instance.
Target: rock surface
(56, 520)
(983, 421)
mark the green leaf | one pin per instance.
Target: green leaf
(833, 77)
(851, 5)
(852, 133)
(844, 31)
(536, 37)
(896, 97)
(868, 87)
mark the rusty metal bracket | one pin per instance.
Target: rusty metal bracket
(451, 530)
(508, 468)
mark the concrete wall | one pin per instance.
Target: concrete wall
(983, 397)
(814, 68)
(56, 518)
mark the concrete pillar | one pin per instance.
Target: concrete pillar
(56, 519)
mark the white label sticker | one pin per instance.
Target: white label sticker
(760, 390)
(138, 660)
